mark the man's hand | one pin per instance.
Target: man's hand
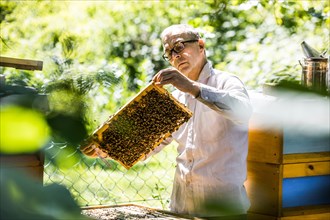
(177, 79)
(93, 151)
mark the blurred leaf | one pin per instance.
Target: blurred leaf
(106, 52)
(69, 44)
(24, 198)
(67, 128)
(222, 207)
(6, 9)
(23, 130)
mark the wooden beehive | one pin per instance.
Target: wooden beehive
(31, 164)
(140, 125)
(288, 172)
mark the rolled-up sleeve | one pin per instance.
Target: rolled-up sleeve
(230, 99)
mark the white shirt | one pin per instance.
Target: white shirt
(212, 146)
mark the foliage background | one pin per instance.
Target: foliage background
(107, 50)
(98, 54)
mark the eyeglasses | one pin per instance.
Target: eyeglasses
(177, 48)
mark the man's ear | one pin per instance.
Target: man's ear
(201, 43)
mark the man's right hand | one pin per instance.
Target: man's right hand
(179, 80)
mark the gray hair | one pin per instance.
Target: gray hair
(180, 29)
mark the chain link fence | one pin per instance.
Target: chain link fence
(93, 182)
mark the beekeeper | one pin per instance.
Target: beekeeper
(213, 144)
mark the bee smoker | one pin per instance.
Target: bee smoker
(315, 70)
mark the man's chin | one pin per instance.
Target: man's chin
(184, 69)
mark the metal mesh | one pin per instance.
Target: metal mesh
(92, 182)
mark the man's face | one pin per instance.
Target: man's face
(185, 53)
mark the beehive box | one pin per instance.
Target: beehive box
(31, 164)
(140, 125)
(288, 191)
(278, 144)
(288, 173)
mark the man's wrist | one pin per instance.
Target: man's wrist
(196, 90)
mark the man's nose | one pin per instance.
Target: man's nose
(175, 54)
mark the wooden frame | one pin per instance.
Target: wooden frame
(97, 136)
(24, 64)
(165, 214)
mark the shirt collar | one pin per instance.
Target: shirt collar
(206, 72)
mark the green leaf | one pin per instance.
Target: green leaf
(22, 130)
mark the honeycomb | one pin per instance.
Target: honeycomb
(140, 125)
